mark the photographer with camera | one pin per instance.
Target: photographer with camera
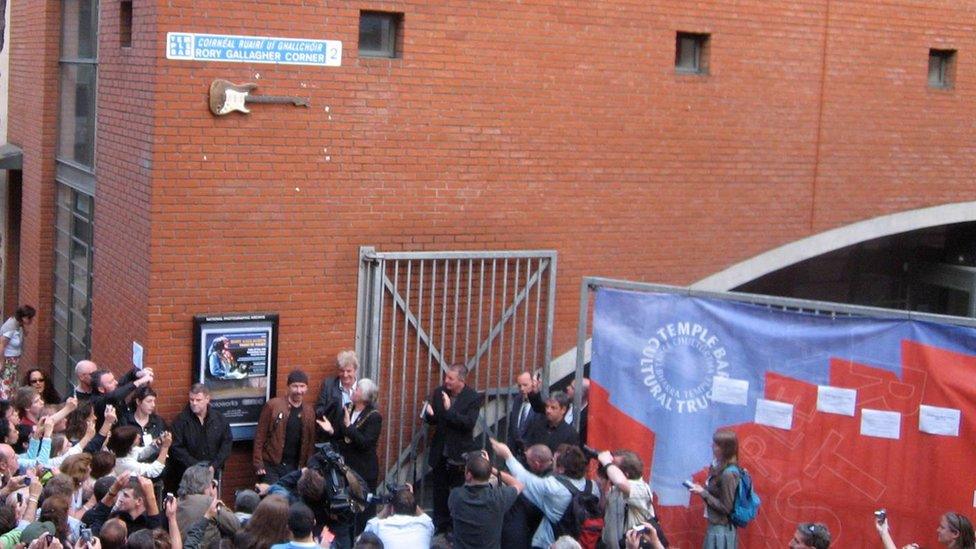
(453, 410)
(401, 522)
(330, 488)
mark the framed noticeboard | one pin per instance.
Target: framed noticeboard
(235, 356)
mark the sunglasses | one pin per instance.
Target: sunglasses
(37, 380)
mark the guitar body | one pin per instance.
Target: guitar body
(226, 97)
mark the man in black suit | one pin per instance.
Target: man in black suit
(521, 414)
(336, 392)
(453, 411)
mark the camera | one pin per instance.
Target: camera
(169, 497)
(589, 452)
(880, 515)
(329, 463)
(390, 490)
(687, 484)
(86, 536)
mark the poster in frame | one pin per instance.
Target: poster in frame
(235, 356)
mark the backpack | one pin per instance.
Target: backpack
(582, 519)
(746, 500)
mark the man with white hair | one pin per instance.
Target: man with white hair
(336, 392)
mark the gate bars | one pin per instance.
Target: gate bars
(419, 312)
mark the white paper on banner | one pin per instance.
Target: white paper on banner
(836, 400)
(774, 414)
(137, 355)
(938, 421)
(879, 423)
(730, 391)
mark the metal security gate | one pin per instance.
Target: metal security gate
(420, 312)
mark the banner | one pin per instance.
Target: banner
(837, 416)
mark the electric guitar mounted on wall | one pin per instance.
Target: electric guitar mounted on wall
(226, 97)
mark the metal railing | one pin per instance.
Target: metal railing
(420, 312)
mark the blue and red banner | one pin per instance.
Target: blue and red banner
(657, 357)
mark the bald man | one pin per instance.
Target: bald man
(8, 461)
(83, 371)
(521, 413)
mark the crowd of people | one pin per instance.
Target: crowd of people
(100, 469)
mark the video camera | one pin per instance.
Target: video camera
(329, 463)
(390, 490)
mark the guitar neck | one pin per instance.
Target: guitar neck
(274, 99)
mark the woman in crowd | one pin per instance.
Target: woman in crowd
(78, 468)
(955, 531)
(12, 336)
(268, 525)
(123, 443)
(37, 380)
(628, 500)
(357, 438)
(142, 414)
(30, 406)
(719, 491)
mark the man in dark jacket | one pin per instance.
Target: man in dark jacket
(336, 392)
(108, 390)
(200, 434)
(552, 429)
(285, 435)
(521, 413)
(478, 507)
(453, 411)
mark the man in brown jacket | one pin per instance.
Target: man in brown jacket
(285, 436)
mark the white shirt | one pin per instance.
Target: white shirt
(404, 531)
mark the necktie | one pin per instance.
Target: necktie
(523, 414)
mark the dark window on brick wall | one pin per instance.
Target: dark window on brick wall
(691, 53)
(380, 34)
(125, 23)
(942, 68)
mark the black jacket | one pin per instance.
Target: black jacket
(329, 403)
(357, 444)
(116, 398)
(194, 442)
(454, 428)
(539, 432)
(515, 433)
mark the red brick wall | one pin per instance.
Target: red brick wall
(126, 101)
(32, 107)
(505, 125)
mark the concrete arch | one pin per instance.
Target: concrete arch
(835, 239)
(806, 248)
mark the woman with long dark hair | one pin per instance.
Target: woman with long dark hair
(37, 380)
(719, 491)
(12, 336)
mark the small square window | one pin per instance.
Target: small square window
(691, 53)
(942, 68)
(125, 23)
(379, 34)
